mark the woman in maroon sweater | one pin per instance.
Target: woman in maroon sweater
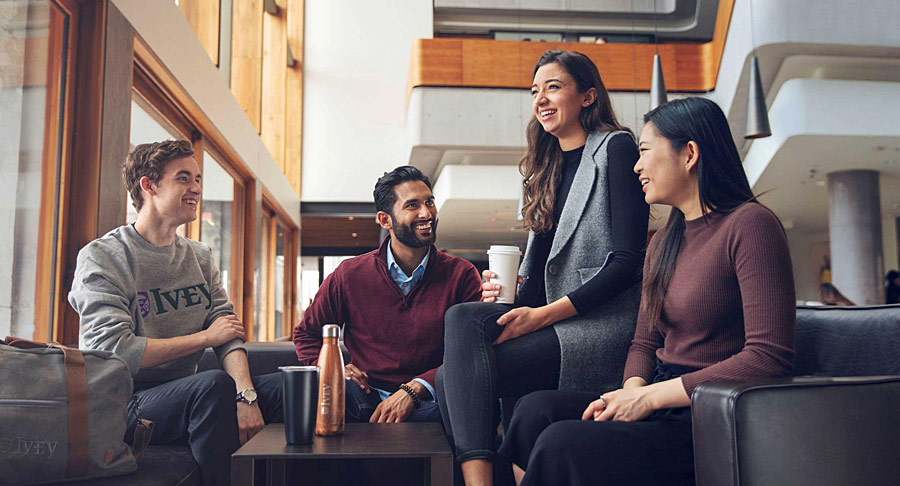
(717, 304)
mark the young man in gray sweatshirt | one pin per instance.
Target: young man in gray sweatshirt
(156, 299)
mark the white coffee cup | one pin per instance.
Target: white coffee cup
(504, 262)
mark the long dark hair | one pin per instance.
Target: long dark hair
(541, 166)
(721, 179)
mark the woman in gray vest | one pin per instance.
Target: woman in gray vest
(577, 304)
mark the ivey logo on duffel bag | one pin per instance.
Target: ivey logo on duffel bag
(20, 446)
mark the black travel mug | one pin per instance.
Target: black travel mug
(301, 390)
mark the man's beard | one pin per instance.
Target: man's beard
(406, 234)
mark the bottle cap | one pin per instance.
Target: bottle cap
(331, 330)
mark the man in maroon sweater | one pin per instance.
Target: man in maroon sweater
(391, 304)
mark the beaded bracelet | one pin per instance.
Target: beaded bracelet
(409, 391)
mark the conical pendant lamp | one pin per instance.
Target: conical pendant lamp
(658, 94)
(757, 113)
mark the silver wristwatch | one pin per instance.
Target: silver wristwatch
(247, 396)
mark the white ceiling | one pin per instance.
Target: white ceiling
(796, 177)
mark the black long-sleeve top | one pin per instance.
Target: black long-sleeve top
(628, 213)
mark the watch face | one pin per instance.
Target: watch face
(250, 395)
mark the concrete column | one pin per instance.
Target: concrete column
(854, 230)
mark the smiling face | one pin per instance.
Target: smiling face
(414, 219)
(557, 103)
(177, 193)
(665, 174)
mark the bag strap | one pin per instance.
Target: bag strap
(77, 391)
(77, 395)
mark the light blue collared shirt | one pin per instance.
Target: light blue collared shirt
(406, 284)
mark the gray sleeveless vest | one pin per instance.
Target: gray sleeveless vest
(593, 346)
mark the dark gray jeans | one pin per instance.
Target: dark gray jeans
(201, 410)
(476, 374)
(361, 405)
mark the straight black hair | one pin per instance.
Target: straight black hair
(384, 193)
(721, 179)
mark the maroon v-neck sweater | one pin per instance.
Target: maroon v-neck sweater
(392, 337)
(729, 308)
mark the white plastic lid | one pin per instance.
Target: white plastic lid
(505, 249)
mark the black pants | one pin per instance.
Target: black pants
(475, 374)
(548, 439)
(202, 410)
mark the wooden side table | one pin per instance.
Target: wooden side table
(359, 441)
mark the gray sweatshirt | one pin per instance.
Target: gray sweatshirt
(127, 290)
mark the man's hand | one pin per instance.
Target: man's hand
(357, 376)
(224, 329)
(250, 420)
(394, 410)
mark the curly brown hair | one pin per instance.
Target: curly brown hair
(541, 166)
(149, 160)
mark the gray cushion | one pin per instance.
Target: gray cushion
(264, 358)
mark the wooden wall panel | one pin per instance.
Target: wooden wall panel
(273, 84)
(203, 16)
(246, 57)
(624, 67)
(331, 231)
(116, 119)
(293, 97)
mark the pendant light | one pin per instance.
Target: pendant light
(658, 94)
(757, 113)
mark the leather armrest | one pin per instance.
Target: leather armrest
(822, 431)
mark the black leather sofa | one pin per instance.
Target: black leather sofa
(836, 423)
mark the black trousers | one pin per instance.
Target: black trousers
(548, 439)
(201, 410)
(475, 374)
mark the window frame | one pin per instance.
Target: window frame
(56, 158)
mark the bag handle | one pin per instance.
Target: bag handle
(77, 394)
(143, 430)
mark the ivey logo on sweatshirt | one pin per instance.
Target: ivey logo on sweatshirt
(167, 300)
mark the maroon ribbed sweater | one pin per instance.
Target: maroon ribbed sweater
(729, 308)
(392, 337)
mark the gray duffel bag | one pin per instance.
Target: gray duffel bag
(62, 413)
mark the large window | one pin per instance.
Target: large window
(221, 223)
(36, 67)
(276, 309)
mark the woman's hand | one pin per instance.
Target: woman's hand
(626, 405)
(490, 291)
(638, 400)
(521, 321)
